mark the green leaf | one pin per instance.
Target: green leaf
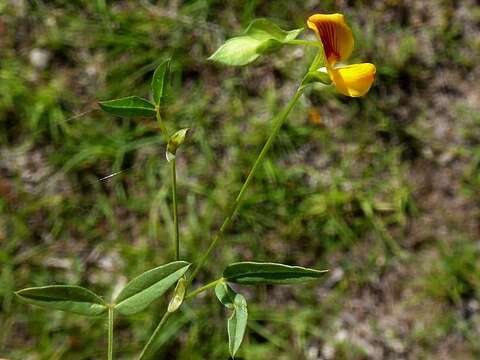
(251, 273)
(131, 106)
(225, 294)
(160, 80)
(149, 286)
(260, 37)
(237, 322)
(174, 143)
(264, 29)
(74, 299)
(178, 295)
(238, 51)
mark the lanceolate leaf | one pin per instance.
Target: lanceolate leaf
(149, 286)
(251, 273)
(160, 80)
(74, 299)
(260, 37)
(131, 106)
(237, 322)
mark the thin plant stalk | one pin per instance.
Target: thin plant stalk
(304, 43)
(110, 332)
(176, 236)
(203, 288)
(157, 329)
(175, 209)
(161, 124)
(277, 124)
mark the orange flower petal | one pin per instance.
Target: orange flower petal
(353, 80)
(335, 35)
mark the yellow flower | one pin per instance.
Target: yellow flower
(337, 40)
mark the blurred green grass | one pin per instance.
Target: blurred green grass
(381, 190)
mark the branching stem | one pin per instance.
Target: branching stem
(203, 288)
(277, 124)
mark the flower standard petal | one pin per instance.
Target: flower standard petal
(335, 35)
(353, 80)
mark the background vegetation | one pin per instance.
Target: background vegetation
(383, 191)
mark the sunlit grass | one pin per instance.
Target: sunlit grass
(339, 193)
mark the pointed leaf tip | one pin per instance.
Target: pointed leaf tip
(251, 273)
(160, 81)
(130, 106)
(237, 322)
(264, 29)
(73, 299)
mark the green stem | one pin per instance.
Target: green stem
(152, 337)
(161, 125)
(111, 309)
(277, 124)
(203, 288)
(304, 43)
(176, 237)
(175, 210)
